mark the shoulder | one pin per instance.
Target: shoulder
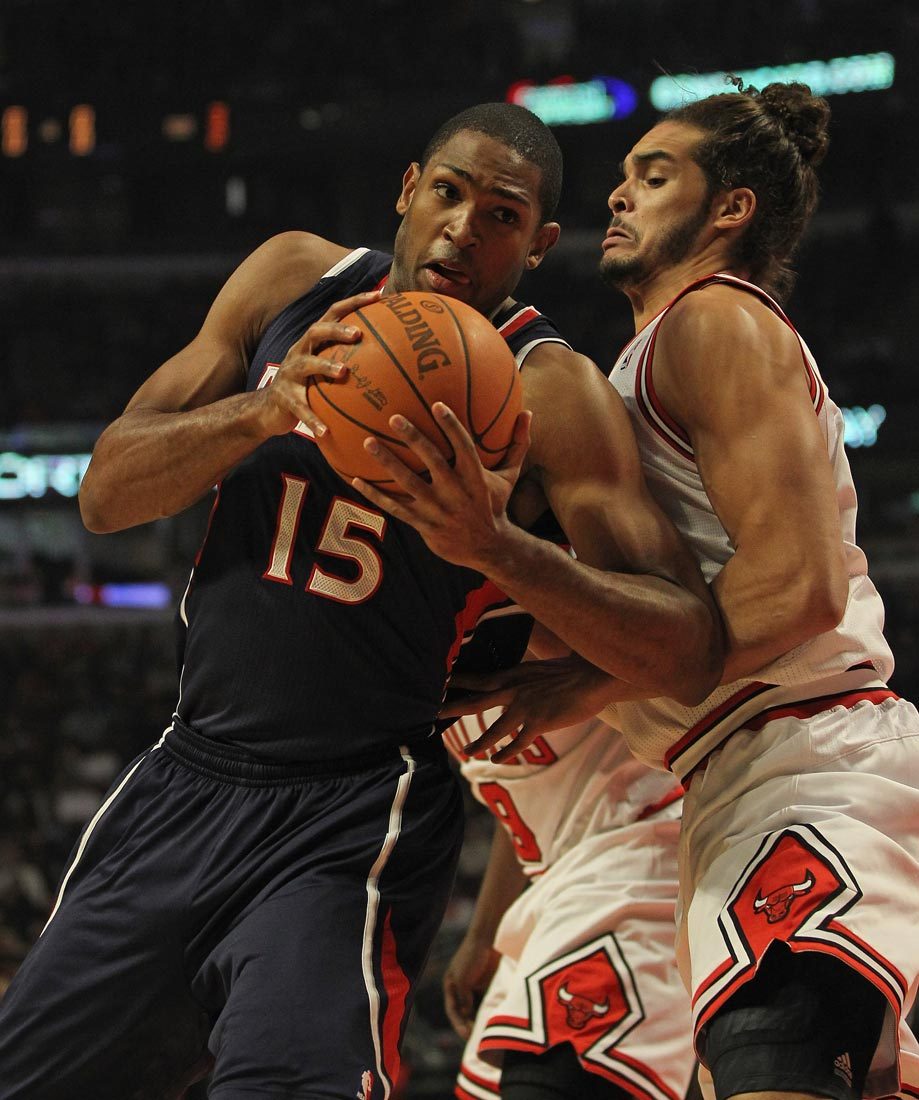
(574, 408)
(722, 317)
(553, 373)
(724, 348)
(278, 272)
(294, 261)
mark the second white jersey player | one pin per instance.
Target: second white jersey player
(587, 950)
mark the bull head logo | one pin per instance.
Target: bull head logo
(580, 1010)
(777, 902)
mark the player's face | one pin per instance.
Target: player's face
(471, 222)
(660, 208)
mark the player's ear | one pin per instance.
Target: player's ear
(735, 208)
(545, 238)
(409, 183)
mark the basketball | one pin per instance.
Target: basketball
(417, 349)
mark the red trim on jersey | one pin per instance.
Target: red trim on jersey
(711, 719)
(888, 988)
(529, 1046)
(884, 964)
(382, 281)
(643, 373)
(513, 324)
(656, 402)
(640, 372)
(526, 1045)
(724, 996)
(885, 987)
(210, 520)
(708, 982)
(645, 1071)
(397, 988)
(672, 796)
(810, 707)
(478, 601)
(511, 1021)
(477, 1080)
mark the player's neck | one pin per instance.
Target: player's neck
(656, 292)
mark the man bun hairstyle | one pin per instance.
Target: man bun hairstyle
(521, 131)
(772, 142)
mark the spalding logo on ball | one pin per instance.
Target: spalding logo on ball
(417, 349)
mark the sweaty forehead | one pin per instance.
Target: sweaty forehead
(673, 140)
(490, 164)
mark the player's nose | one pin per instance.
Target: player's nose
(461, 229)
(618, 200)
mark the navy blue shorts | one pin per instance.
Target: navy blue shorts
(269, 919)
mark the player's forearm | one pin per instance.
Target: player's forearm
(644, 630)
(767, 611)
(502, 884)
(150, 464)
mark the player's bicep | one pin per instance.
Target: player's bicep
(214, 364)
(591, 474)
(204, 371)
(759, 448)
(768, 477)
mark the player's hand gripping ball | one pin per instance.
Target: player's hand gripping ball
(417, 348)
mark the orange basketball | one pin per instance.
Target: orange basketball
(417, 348)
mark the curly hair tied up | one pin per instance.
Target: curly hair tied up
(770, 141)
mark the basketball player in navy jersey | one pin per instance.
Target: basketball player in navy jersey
(800, 845)
(260, 889)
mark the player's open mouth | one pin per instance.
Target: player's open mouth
(448, 275)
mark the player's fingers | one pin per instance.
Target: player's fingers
(467, 457)
(474, 704)
(520, 444)
(524, 738)
(337, 310)
(430, 455)
(302, 366)
(395, 504)
(404, 477)
(506, 725)
(322, 333)
(495, 681)
(458, 1008)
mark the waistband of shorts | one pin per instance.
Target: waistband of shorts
(232, 764)
(855, 686)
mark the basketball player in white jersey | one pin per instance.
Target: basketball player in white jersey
(572, 938)
(799, 862)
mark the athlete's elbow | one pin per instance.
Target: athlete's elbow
(98, 508)
(825, 606)
(700, 668)
(94, 516)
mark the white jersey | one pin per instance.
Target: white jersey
(852, 659)
(568, 785)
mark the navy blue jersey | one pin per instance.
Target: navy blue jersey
(317, 626)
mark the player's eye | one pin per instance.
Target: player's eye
(446, 190)
(506, 215)
(656, 181)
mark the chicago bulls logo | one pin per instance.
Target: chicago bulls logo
(777, 903)
(585, 996)
(582, 996)
(789, 882)
(580, 1010)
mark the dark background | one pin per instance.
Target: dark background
(111, 251)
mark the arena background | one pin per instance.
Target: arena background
(146, 148)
